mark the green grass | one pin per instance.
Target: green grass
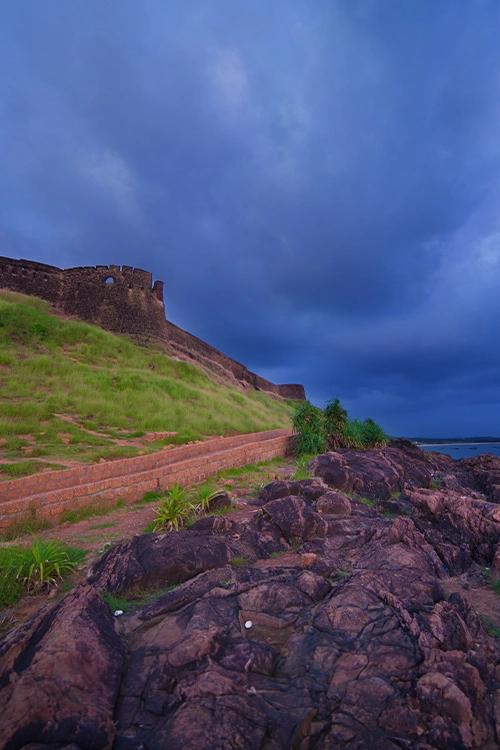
(276, 555)
(135, 597)
(34, 569)
(150, 497)
(366, 501)
(25, 468)
(221, 511)
(491, 628)
(301, 471)
(341, 573)
(239, 561)
(22, 528)
(495, 585)
(117, 602)
(108, 384)
(89, 511)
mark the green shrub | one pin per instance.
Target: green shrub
(367, 434)
(373, 434)
(174, 510)
(331, 429)
(354, 434)
(308, 423)
(335, 417)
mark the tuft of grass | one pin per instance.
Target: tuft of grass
(25, 468)
(366, 501)
(117, 602)
(150, 497)
(203, 495)
(239, 561)
(82, 514)
(221, 511)
(36, 568)
(277, 554)
(239, 471)
(341, 573)
(174, 510)
(436, 483)
(491, 627)
(495, 585)
(302, 472)
(24, 528)
(135, 597)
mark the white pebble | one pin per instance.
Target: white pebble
(118, 612)
(248, 624)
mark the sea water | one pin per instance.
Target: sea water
(462, 450)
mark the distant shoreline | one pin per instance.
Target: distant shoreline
(457, 442)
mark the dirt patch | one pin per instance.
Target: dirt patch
(482, 597)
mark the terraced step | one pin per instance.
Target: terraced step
(46, 496)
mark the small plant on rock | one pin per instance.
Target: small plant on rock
(239, 561)
(204, 494)
(174, 510)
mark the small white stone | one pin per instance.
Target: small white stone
(248, 624)
(118, 612)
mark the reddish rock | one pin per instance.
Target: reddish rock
(334, 504)
(335, 633)
(60, 676)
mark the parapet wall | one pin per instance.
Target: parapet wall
(119, 298)
(125, 300)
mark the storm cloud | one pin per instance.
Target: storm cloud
(318, 184)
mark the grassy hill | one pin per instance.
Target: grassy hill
(70, 391)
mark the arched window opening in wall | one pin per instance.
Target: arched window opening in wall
(109, 280)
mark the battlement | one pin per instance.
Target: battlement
(123, 299)
(120, 298)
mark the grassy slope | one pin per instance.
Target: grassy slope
(108, 384)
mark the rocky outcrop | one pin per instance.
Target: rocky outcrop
(311, 619)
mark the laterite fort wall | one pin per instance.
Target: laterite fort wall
(46, 496)
(126, 300)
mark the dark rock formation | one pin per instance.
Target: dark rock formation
(125, 300)
(335, 633)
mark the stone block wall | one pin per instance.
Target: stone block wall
(46, 496)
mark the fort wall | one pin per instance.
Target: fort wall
(123, 299)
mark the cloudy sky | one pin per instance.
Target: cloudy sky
(318, 183)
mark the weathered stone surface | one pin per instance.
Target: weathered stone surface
(60, 676)
(334, 504)
(335, 632)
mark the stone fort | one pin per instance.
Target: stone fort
(126, 300)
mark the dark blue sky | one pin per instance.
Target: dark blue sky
(318, 183)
